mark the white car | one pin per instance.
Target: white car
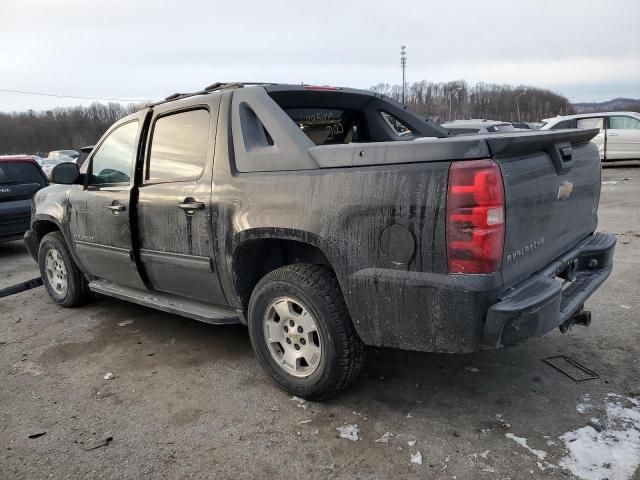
(48, 164)
(65, 155)
(619, 137)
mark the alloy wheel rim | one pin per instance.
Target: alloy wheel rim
(56, 272)
(293, 337)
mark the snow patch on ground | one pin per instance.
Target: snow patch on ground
(585, 405)
(301, 402)
(523, 443)
(350, 432)
(386, 436)
(613, 453)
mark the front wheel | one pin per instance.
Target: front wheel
(62, 278)
(301, 332)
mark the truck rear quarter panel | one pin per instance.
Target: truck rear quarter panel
(369, 221)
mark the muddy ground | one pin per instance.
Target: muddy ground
(189, 399)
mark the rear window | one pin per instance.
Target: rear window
(463, 131)
(179, 146)
(12, 173)
(328, 126)
(507, 127)
(563, 124)
(596, 122)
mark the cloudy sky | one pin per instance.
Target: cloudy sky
(587, 50)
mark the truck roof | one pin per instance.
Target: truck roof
(270, 87)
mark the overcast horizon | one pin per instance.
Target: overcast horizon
(585, 50)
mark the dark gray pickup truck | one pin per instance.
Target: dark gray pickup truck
(327, 219)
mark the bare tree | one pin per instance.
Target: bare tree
(61, 128)
(490, 101)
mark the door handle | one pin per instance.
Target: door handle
(611, 134)
(117, 208)
(190, 204)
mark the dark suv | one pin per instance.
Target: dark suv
(20, 179)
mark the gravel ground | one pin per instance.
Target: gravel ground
(189, 399)
(16, 265)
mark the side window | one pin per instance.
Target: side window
(624, 123)
(563, 124)
(590, 123)
(396, 125)
(179, 146)
(112, 162)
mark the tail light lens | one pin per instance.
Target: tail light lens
(475, 217)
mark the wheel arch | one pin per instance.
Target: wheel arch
(43, 224)
(258, 255)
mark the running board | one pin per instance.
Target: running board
(167, 303)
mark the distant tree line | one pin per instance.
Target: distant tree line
(61, 128)
(75, 127)
(615, 105)
(447, 101)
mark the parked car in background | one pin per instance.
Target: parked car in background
(48, 164)
(527, 125)
(619, 137)
(38, 159)
(461, 127)
(84, 153)
(65, 155)
(20, 179)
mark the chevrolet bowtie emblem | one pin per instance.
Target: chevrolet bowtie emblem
(565, 190)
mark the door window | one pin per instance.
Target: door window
(590, 123)
(112, 162)
(564, 124)
(179, 146)
(624, 123)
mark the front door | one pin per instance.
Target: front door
(174, 204)
(99, 211)
(623, 138)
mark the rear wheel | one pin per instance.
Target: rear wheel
(302, 333)
(62, 278)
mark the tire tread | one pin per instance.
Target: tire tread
(322, 281)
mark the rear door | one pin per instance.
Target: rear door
(623, 138)
(100, 215)
(174, 204)
(600, 139)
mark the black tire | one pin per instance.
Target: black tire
(77, 291)
(343, 353)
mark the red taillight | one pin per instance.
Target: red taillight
(475, 217)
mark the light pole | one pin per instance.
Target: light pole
(403, 64)
(450, 95)
(517, 104)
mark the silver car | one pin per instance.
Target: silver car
(64, 154)
(619, 137)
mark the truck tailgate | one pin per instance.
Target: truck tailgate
(552, 189)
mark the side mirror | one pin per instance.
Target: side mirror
(66, 173)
